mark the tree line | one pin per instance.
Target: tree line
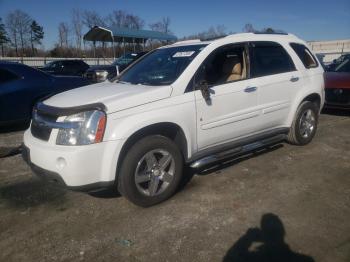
(21, 32)
(21, 35)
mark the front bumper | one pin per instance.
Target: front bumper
(83, 168)
(337, 98)
(52, 177)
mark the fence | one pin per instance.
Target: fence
(330, 50)
(325, 50)
(41, 61)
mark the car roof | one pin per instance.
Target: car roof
(241, 37)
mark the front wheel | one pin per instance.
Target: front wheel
(151, 171)
(304, 125)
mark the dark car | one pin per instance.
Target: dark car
(66, 67)
(100, 73)
(22, 86)
(337, 62)
(338, 86)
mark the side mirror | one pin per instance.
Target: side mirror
(203, 86)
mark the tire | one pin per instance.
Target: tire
(304, 125)
(151, 171)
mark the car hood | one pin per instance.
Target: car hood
(337, 80)
(115, 96)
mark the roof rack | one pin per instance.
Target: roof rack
(187, 42)
(213, 38)
(270, 33)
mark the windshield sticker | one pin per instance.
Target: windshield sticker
(184, 54)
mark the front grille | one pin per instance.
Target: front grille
(39, 130)
(338, 96)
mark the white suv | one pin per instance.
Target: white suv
(191, 103)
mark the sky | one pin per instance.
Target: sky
(308, 19)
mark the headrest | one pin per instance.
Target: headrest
(232, 65)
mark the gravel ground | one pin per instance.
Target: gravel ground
(287, 201)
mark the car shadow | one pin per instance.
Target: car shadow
(336, 112)
(106, 193)
(30, 193)
(10, 151)
(264, 244)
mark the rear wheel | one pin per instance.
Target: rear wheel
(151, 171)
(304, 125)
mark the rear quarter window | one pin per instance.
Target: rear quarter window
(269, 58)
(305, 55)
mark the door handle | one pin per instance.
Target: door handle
(294, 79)
(250, 89)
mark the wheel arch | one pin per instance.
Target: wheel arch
(168, 129)
(312, 97)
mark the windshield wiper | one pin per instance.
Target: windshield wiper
(123, 82)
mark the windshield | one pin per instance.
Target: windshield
(161, 67)
(125, 59)
(344, 67)
(52, 64)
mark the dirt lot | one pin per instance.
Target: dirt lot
(301, 193)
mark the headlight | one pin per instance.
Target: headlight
(88, 129)
(101, 74)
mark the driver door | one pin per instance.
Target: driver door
(231, 111)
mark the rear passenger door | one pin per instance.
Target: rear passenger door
(277, 81)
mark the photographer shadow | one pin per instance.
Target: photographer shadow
(264, 244)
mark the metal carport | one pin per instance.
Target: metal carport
(125, 35)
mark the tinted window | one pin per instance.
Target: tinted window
(269, 59)
(6, 76)
(305, 55)
(343, 67)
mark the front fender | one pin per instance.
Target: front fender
(122, 125)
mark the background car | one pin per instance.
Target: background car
(337, 83)
(22, 86)
(66, 67)
(337, 62)
(101, 73)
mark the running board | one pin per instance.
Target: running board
(241, 150)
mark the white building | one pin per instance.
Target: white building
(330, 49)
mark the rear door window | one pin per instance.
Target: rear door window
(305, 55)
(7, 76)
(269, 58)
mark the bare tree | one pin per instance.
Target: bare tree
(117, 18)
(120, 18)
(77, 26)
(11, 25)
(23, 23)
(162, 26)
(212, 32)
(248, 28)
(3, 36)
(134, 22)
(63, 33)
(91, 19)
(18, 24)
